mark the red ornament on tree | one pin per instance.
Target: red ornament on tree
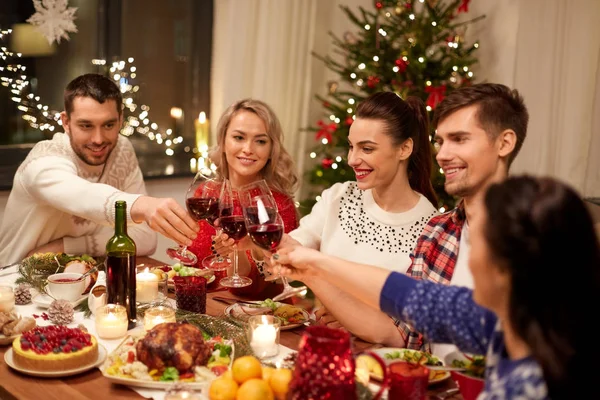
(436, 95)
(326, 163)
(326, 131)
(401, 64)
(378, 5)
(464, 6)
(372, 81)
(349, 121)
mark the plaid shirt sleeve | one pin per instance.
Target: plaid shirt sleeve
(433, 258)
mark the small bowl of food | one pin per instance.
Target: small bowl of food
(471, 381)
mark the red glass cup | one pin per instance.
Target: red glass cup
(324, 366)
(190, 293)
(407, 381)
(469, 386)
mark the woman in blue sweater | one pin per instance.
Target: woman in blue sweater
(535, 261)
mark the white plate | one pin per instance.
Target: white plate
(8, 358)
(154, 384)
(43, 300)
(229, 312)
(4, 340)
(381, 352)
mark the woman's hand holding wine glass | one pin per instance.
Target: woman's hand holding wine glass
(265, 227)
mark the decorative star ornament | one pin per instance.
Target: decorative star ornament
(54, 19)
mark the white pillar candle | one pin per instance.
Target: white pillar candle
(146, 287)
(265, 335)
(7, 298)
(111, 321)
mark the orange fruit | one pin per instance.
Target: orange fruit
(280, 382)
(266, 373)
(246, 367)
(227, 374)
(254, 389)
(223, 389)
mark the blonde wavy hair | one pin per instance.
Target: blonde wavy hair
(279, 171)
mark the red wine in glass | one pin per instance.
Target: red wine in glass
(203, 208)
(234, 226)
(267, 236)
(253, 217)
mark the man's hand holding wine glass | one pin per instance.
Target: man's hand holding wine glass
(165, 216)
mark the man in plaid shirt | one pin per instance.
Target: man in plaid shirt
(479, 131)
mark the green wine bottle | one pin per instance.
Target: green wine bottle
(120, 265)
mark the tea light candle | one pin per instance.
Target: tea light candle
(146, 286)
(264, 335)
(111, 321)
(158, 315)
(7, 298)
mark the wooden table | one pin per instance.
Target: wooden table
(92, 385)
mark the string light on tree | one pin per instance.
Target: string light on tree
(414, 48)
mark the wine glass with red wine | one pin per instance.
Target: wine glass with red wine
(231, 221)
(265, 227)
(202, 202)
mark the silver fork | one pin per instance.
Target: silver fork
(445, 395)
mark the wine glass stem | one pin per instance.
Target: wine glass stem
(182, 249)
(235, 261)
(286, 284)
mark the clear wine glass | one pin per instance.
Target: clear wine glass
(231, 221)
(202, 202)
(265, 227)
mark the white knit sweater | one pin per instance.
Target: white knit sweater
(348, 223)
(56, 195)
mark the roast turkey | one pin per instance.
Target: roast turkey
(175, 344)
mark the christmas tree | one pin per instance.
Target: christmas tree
(414, 48)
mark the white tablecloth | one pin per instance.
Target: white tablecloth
(9, 276)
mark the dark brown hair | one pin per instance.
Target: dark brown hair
(405, 119)
(98, 87)
(499, 108)
(543, 234)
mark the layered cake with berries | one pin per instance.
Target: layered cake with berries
(54, 348)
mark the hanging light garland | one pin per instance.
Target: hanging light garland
(40, 116)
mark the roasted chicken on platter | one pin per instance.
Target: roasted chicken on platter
(178, 345)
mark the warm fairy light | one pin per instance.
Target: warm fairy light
(375, 58)
(313, 155)
(367, 27)
(351, 101)
(361, 66)
(338, 159)
(324, 141)
(395, 69)
(433, 23)
(421, 59)
(39, 116)
(353, 75)
(442, 209)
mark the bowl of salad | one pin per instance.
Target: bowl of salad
(471, 381)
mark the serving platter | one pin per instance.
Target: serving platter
(239, 309)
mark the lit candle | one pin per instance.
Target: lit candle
(111, 321)
(146, 287)
(7, 299)
(201, 127)
(158, 315)
(265, 335)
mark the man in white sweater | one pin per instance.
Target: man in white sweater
(64, 192)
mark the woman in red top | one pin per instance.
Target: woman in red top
(249, 148)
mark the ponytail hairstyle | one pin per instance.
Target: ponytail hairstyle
(405, 119)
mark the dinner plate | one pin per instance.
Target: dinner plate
(163, 385)
(4, 340)
(229, 312)
(434, 376)
(8, 358)
(43, 300)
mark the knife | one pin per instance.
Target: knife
(229, 300)
(10, 265)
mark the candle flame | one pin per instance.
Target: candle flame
(147, 270)
(202, 117)
(264, 319)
